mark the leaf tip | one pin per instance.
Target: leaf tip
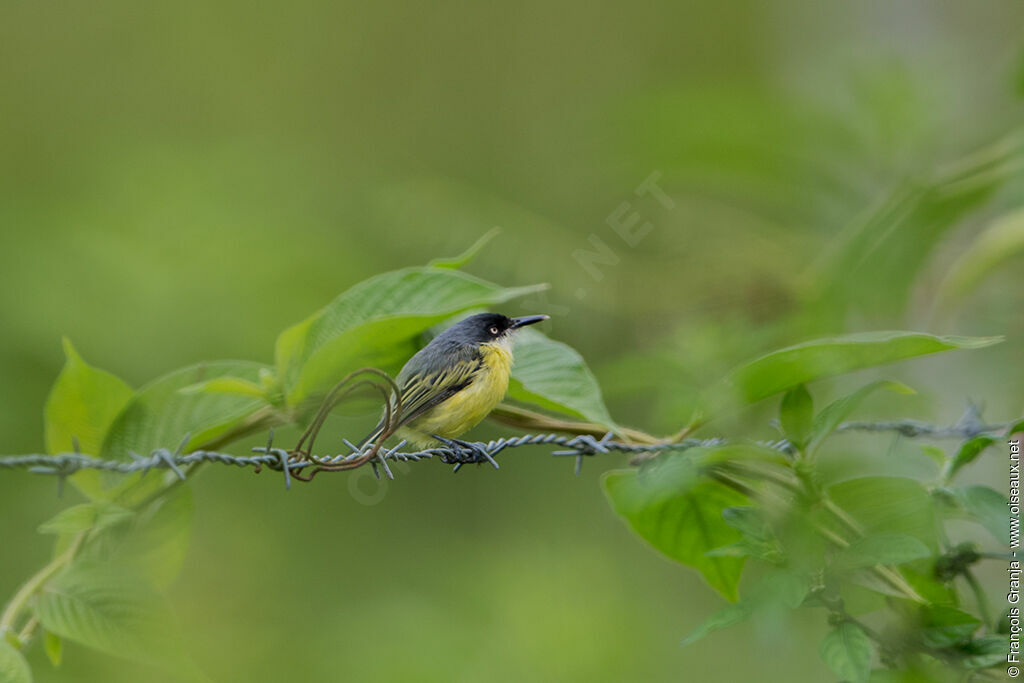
(70, 353)
(469, 254)
(978, 342)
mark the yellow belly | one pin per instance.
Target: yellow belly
(466, 409)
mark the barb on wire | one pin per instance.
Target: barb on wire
(456, 453)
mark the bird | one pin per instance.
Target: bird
(454, 382)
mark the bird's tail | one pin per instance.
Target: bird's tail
(377, 431)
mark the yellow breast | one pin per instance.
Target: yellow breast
(466, 409)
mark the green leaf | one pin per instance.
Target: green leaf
(741, 451)
(986, 507)
(468, 255)
(680, 514)
(741, 548)
(970, 450)
(54, 647)
(160, 415)
(98, 515)
(13, 667)
(758, 540)
(777, 589)
(81, 405)
(118, 614)
(937, 455)
(796, 415)
(873, 265)
(227, 385)
(928, 586)
(552, 375)
(982, 653)
(376, 323)
(889, 505)
(829, 419)
(749, 521)
(786, 368)
(847, 651)
(880, 549)
(157, 545)
(997, 244)
(154, 546)
(730, 615)
(942, 626)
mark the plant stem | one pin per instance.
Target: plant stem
(980, 598)
(26, 632)
(20, 600)
(765, 474)
(842, 515)
(890, 576)
(723, 477)
(995, 556)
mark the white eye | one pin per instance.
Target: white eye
(494, 330)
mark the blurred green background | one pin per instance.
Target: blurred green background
(179, 182)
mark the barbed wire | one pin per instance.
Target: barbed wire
(457, 453)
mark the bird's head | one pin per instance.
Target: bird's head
(488, 328)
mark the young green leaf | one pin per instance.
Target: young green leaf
(829, 419)
(880, 549)
(54, 647)
(936, 454)
(786, 368)
(847, 651)
(552, 375)
(13, 667)
(969, 450)
(81, 407)
(943, 626)
(680, 514)
(796, 415)
(98, 514)
(376, 323)
(118, 614)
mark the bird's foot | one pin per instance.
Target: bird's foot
(465, 452)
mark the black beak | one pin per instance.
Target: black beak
(528, 320)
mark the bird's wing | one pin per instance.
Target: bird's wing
(422, 392)
(421, 389)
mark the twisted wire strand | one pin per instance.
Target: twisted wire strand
(456, 453)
